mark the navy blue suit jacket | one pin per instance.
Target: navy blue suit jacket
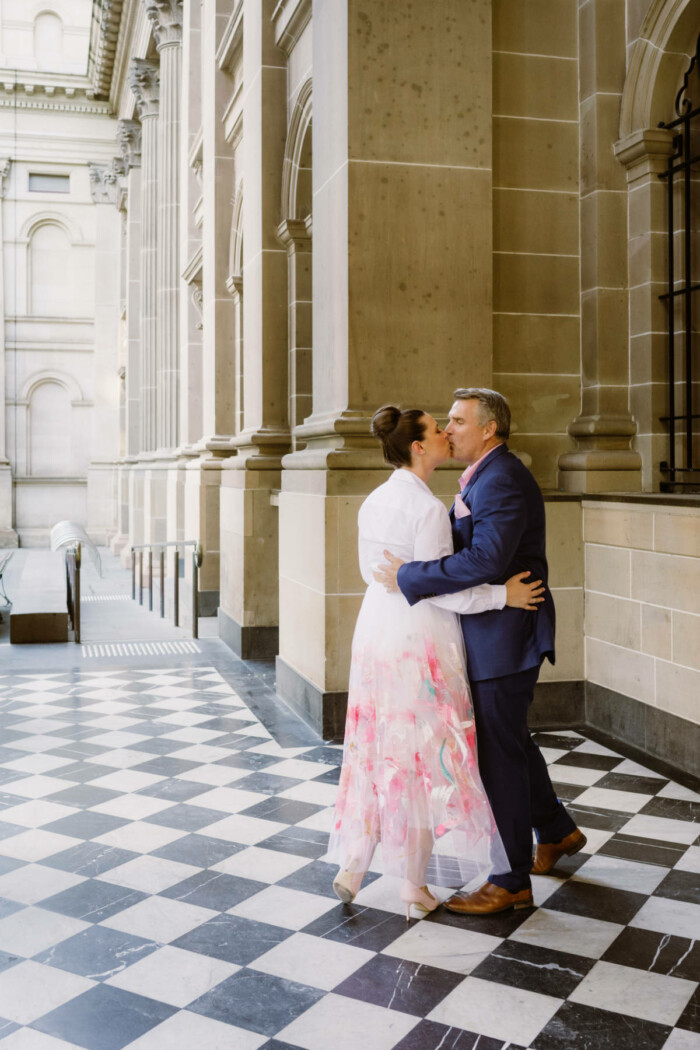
(504, 534)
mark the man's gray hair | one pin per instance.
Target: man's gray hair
(492, 405)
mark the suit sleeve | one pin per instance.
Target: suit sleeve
(498, 526)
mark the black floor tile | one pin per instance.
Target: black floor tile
(361, 927)
(562, 743)
(647, 851)
(317, 877)
(601, 819)
(214, 889)
(199, 850)
(174, 790)
(89, 859)
(502, 924)
(284, 810)
(331, 756)
(331, 776)
(656, 953)
(97, 952)
(584, 760)
(673, 809)
(409, 987)
(84, 795)
(166, 766)
(85, 825)
(690, 1018)
(252, 760)
(104, 1018)
(680, 886)
(233, 939)
(535, 969)
(429, 1035)
(626, 782)
(266, 783)
(301, 841)
(257, 1001)
(577, 1027)
(596, 902)
(157, 745)
(8, 907)
(568, 792)
(82, 772)
(186, 818)
(93, 901)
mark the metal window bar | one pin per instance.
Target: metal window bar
(197, 557)
(680, 472)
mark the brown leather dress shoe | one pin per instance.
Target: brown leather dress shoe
(548, 853)
(488, 900)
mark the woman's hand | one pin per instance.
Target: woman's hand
(521, 595)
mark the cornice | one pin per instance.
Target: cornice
(67, 106)
(104, 35)
(231, 39)
(290, 19)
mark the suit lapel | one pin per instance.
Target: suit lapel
(499, 450)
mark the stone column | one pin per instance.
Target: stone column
(129, 138)
(104, 438)
(249, 590)
(402, 306)
(604, 459)
(8, 536)
(144, 82)
(166, 19)
(149, 478)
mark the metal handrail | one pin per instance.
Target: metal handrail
(197, 558)
(73, 562)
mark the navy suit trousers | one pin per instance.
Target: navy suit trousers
(514, 773)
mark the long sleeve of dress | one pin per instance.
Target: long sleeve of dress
(434, 540)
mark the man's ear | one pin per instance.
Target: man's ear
(491, 427)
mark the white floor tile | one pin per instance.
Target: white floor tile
(133, 807)
(122, 758)
(149, 874)
(227, 800)
(216, 776)
(33, 930)
(173, 976)
(568, 933)
(606, 798)
(30, 990)
(291, 909)
(126, 780)
(575, 775)
(36, 844)
(621, 874)
(496, 1010)
(30, 1039)
(622, 989)
(690, 861)
(41, 763)
(634, 769)
(159, 919)
(316, 961)
(321, 821)
(140, 836)
(246, 830)
(117, 739)
(347, 1024)
(310, 791)
(294, 767)
(202, 753)
(185, 1031)
(40, 743)
(669, 916)
(264, 865)
(672, 790)
(680, 1039)
(34, 882)
(646, 827)
(36, 813)
(36, 786)
(445, 947)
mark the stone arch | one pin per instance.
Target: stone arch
(51, 375)
(43, 218)
(658, 59)
(54, 435)
(296, 169)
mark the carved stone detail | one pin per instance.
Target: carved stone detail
(104, 181)
(129, 139)
(144, 81)
(4, 172)
(166, 18)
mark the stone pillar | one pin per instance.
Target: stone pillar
(248, 615)
(104, 438)
(8, 536)
(129, 138)
(604, 459)
(295, 235)
(145, 83)
(402, 304)
(166, 19)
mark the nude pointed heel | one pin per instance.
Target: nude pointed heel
(346, 885)
(421, 898)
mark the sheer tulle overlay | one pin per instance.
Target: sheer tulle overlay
(410, 777)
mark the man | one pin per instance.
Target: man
(498, 523)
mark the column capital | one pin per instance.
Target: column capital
(144, 81)
(129, 139)
(104, 181)
(5, 163)
(166, 18)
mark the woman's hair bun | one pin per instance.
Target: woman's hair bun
(385, 420)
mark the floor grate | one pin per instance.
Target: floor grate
(105, 598)
(97, 650)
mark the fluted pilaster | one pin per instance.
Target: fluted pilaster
(144, 82)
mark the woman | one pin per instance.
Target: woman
(410, 778)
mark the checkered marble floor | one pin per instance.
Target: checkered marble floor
(162, 887)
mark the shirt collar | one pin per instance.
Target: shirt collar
(407, 477)
(473, 467)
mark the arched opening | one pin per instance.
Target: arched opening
(51, 287)
(51, 431)
(235, 286)
(48, 40)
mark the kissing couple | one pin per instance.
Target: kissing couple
(438, 760)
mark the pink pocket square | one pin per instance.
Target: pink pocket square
(461, 509)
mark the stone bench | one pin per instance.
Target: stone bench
(40, 607)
